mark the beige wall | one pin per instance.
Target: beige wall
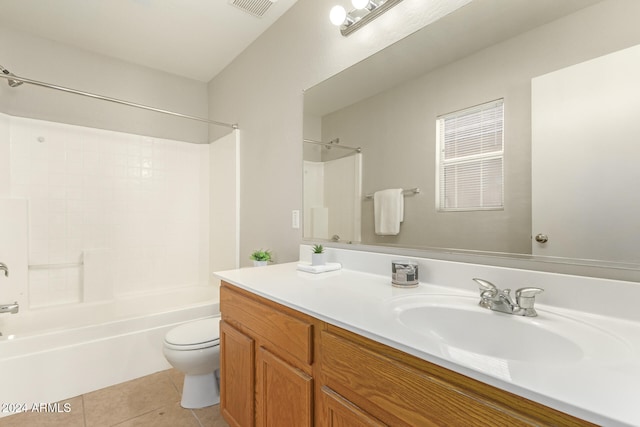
(262, 91)
(48, 61)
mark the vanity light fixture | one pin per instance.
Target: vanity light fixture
(364, 12)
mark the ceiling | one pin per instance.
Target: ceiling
(190, 38)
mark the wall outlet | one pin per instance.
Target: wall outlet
(295, 219)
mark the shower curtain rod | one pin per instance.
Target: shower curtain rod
(333, 145)
(14, 78)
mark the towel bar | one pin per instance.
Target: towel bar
(415, 190)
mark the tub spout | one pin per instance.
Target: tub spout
(10, 308)
(3, 267)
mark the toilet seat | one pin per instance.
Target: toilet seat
(196, 335)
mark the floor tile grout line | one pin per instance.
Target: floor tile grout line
(196, 417)
(128, 420)
(156, 409)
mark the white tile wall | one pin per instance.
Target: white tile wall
(140, 197)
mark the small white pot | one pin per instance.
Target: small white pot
(259, 263)
(318, 259)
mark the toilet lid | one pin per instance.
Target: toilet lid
(203, 332)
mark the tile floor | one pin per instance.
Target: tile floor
(152, 401)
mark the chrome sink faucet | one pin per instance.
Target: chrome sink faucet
(500, 299)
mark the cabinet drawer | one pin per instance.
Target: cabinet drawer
(285, 332)
(399, 394)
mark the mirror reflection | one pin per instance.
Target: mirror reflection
(546, 175)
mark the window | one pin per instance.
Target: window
(470, 158)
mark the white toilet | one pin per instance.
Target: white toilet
(194, 349)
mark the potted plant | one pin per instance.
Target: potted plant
(260, 257)
(318, 255)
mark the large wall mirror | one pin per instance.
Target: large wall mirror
(566, 73)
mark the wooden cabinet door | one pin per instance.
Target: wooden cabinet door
(237, 355)
(339, 412)
(284, 393)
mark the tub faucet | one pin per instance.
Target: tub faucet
(10, 308)
(500, 299)
(3, 267)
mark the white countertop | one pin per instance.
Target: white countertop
(605, 393)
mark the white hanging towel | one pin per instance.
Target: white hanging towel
(388, 211)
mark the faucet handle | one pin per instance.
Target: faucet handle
(488, 291)
(486, 286)
(526, 297)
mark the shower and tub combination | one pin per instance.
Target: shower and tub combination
(51, 354)
(93, 278)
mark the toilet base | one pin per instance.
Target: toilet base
(199, 391)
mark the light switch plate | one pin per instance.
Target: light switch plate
(295, 219)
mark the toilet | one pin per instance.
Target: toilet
(194, 349)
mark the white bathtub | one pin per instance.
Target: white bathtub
(51, 354)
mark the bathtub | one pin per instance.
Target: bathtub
(51, 354)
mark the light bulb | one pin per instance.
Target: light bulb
(337, 15)
(360, 4)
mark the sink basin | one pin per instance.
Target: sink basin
(459, 328)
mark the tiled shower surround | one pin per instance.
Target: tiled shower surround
(138, 204)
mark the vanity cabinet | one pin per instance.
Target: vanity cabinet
(371, 384)
(266, 361)
(280, 367)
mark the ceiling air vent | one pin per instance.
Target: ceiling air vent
(254, 7)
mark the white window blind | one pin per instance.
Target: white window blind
(470, 161)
